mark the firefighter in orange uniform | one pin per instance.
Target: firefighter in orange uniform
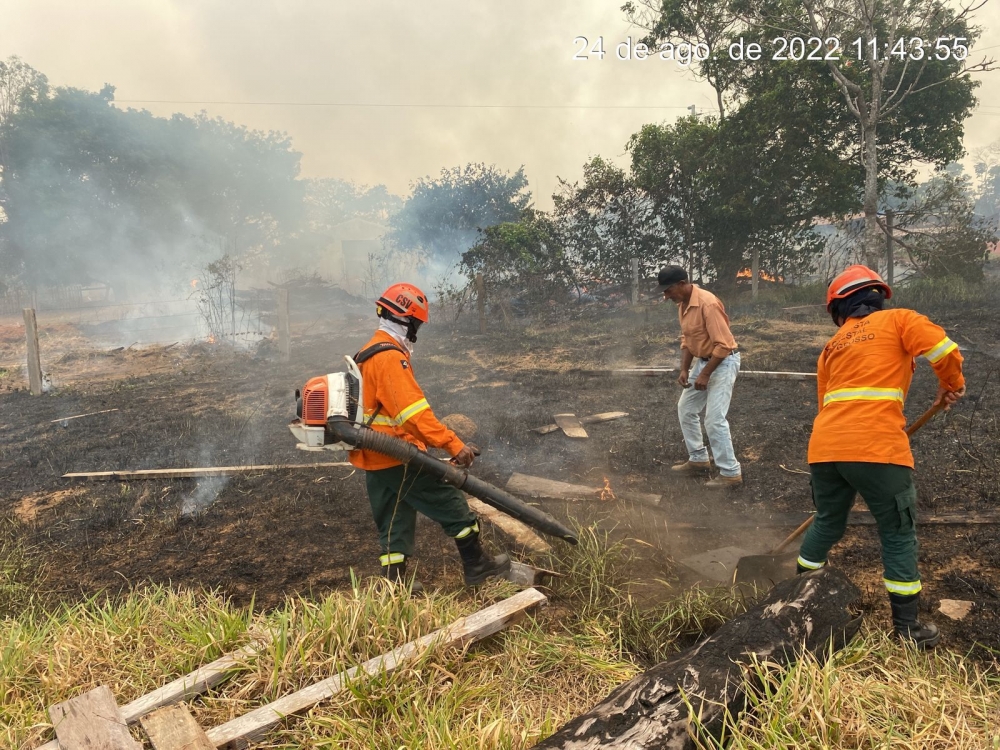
(859, 444)
(395, 404)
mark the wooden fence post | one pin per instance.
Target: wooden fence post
(635, 282)
(755, 271)
(34, 360)
(481, 301)
(284, 326)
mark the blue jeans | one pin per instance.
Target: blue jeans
(714, 401)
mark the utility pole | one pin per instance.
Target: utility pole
(890, 261)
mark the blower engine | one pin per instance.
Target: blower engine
(334, 396)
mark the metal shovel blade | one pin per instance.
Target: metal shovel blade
(764, 571)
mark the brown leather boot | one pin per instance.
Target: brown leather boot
(691, 468)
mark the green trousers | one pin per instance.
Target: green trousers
(889, 492)
(397, 493)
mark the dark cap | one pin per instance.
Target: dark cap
(669, 276)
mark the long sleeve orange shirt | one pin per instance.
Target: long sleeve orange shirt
(392, 396)
(863, 376)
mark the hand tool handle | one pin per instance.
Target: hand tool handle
(927, 416)
(924, 419)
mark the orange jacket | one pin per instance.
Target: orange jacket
(390, 388)
(864, 374)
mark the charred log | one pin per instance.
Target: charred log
(808, 612)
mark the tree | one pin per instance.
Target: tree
(102, 193)
(741, 189)
(899, 104)
(987, 187)
(519, 258)
(607, 221)
(911, 77)
(20, 84)
(937, 227)
(441, 219)
(692, 22)
(330, 202)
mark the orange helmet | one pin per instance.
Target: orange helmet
(404, 301)
(851, 280)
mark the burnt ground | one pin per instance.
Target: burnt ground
(263, 536)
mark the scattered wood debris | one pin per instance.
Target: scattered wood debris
(592, 419)
(570, 425)
(522, 484)
(956, 609)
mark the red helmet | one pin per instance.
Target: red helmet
(404, 301)
(851, 280)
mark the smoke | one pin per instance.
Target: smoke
(203, 496)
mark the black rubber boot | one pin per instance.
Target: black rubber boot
(907, 626)
(477, 565)
(800, 569)
(396, 572)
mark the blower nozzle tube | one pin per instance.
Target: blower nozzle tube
(370, 440)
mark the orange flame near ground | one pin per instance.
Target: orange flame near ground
(746, 273)
(607, 493)
(211, 339)
(194, 283)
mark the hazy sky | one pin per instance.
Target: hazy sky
(428, 55)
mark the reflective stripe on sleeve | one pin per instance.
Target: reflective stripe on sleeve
(393, 558)
(863, 394)
(809, 564)
(904, 588)
(941, 350)
(412, 410)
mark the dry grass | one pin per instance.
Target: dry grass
(509, 692)
(874, 694)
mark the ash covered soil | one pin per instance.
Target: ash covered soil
(265, 535)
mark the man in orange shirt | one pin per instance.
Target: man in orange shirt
(395, 404)
(707, 342)
(859, 444)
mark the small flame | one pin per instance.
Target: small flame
(746, 273)
(194, 283)
(211, 339)
(607, 493)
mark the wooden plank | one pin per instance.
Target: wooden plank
(486, 622)
(34, 358)
(523, 484)
(570, 425)
(517, 531)
(856, 518)
(778, 375)
(208, 471)
(192, 684)
(606, 416)
(91, 721)
(81, 416)
(174, 728)
(655, 372)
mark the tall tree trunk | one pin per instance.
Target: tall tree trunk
(873, 235)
